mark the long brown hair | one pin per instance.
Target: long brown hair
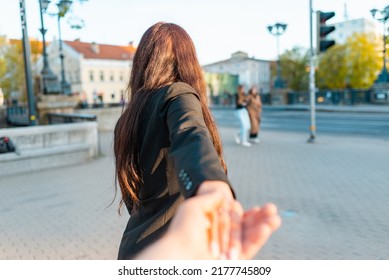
(165, 55)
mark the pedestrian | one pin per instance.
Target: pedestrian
(166, 144)
(241, 112)
(254, 108)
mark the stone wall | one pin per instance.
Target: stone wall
(41, 147)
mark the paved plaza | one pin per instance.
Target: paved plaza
(332, 195)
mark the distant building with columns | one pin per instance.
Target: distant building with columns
(250, 71)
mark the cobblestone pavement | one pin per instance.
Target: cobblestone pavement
(332, 195)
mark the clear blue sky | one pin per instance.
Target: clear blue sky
(217, 27)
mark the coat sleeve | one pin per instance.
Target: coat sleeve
(194, 156)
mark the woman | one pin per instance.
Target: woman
(241, 112)
(167, 147)
(254, 107)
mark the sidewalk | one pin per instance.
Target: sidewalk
(332, 195)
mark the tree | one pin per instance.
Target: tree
(364, 62)
(332, 70)
(12, 77)
(354, 64)
(294, 68)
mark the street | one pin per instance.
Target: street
(344, 123)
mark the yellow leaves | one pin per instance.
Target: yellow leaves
(354, 64)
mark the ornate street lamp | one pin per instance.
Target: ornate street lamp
(382, 16)
(277, 30)
(63, 7)
(49, 79)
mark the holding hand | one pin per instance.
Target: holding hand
(209, 226)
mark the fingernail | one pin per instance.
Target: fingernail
(215, 249)
(234, 254)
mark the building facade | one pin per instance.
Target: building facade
(346, 29)
(97, 73)
(250, 71)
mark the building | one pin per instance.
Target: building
(346, 29)
(221, 87)
(250, 71)
(97, 73)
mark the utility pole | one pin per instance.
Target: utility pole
(27, 65)
(312, 87)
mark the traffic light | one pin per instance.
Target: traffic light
(323, 30)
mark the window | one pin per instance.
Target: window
(111, 77)
(121, 77)
(91, 76)
(102, 76)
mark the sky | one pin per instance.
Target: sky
(218, 28)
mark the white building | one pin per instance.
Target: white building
(251, 71)
(96, 72)
(347, 28)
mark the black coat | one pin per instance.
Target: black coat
(176, 156)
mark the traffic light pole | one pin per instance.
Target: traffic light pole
(312, 93)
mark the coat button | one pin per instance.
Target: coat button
(188, 186)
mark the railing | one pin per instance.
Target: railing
(332, 97)
(56, 118)
(17, 116)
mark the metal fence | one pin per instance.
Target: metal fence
(332, 97)
(55, 118)
(17, 116)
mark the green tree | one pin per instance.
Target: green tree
(354, 64)
(332, 70)
(12, 77)
(294, 68)
(364, 62)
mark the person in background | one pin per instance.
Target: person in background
(241, 137)
(254, 108)
(191, 236)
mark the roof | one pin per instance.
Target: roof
(237, 56)
(102, 51)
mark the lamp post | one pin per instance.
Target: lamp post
(277, 30)
(382, 16)
(27, 66)
(49, 79)
(63, 7)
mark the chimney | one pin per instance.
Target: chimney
(95, 48)
(131, 43)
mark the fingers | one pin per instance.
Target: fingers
(235, 246)
(215, 207)
(267, 214)
(214, 235)
(258, 226)
(224, 232)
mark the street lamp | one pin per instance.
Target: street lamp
(382, 16)
(49, 79)
(277, 30)
(63, 7)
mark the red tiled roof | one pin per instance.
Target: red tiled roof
(104, 51)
